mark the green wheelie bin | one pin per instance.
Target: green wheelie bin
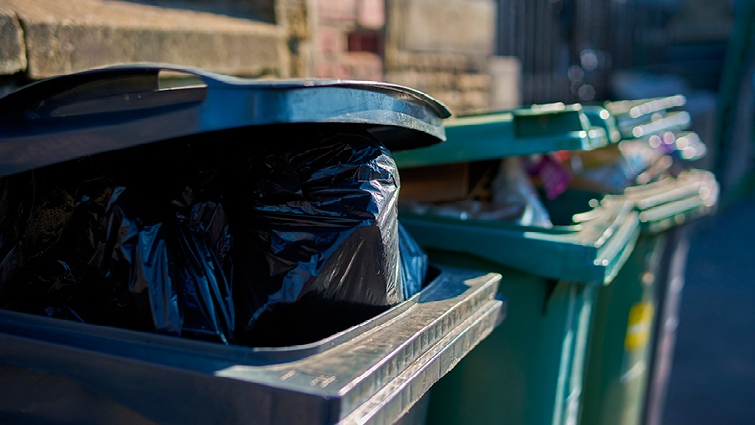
(635, 317)
(629, 313)
(529, 370)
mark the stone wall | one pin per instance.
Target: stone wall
(442, 47)
(45, 38)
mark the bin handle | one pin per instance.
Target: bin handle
(142, 77)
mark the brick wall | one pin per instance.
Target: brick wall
(348, 38)
(441, 47)
(460, 81)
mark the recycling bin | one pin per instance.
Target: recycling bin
(530, 369)
(339, 361)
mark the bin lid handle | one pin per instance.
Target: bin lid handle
(117, 107)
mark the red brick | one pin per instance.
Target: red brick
(366, 41)
(371, 14)
(352, 66)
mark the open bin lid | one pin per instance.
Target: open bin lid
(592, 251)
(674, 201)
(537, 129)
(673, 121)
(71, 116)
(644, 117)
(639, 107)
(369, 374)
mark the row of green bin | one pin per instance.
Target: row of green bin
(587, 295)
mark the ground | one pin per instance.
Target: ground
(713, 375)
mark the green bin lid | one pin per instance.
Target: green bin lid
(645, 117)
(673, 201)
(672, 121)
(640, 107)
(537, 129)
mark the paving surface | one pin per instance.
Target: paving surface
(713, 374)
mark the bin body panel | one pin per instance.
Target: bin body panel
(58, 399)
(619, 360)
(523, 372)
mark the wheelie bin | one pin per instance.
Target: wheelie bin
(635, 317)
(529, 370)
(629, 315)
(370, 364)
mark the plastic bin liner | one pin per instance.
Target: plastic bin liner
(212, 240)
(413, 263)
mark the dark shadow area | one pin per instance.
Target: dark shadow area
(308, 320)
(292, 324)
(255, 10)
(446, 289)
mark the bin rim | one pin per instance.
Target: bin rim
(391, 364)
(249, 355)
(591, 251)
(224, 81)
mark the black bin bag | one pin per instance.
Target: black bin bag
(206, 238)
(206, 206)
(316, 221)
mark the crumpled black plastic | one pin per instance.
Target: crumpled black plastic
(203, 236)
(414, 263)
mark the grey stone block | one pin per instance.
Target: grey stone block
(72, 35)
(12, 48)
(460, 26)
(506, 82)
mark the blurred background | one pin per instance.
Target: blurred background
(481, 55)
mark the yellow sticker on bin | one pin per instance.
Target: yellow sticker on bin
(639, 325)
